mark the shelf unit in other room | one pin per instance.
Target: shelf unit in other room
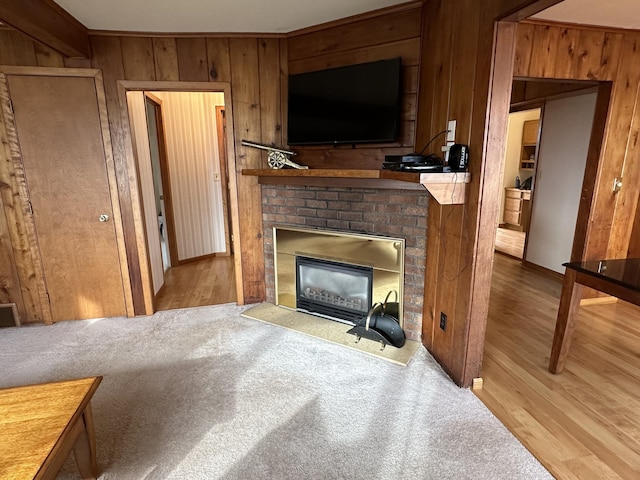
(529, 151)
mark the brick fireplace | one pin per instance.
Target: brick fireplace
(392, 213)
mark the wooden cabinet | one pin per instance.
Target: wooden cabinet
(517, 208)
(529, 150)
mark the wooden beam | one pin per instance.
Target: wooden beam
(46, 22)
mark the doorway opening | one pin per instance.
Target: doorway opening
(548, 141)
(521, 153)
(181, 158)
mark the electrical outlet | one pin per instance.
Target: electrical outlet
(443, 321)
(451, 134)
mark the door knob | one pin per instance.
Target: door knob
(103, 218)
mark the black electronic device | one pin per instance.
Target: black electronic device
(346, 105)
(413, 163)
(458, 157)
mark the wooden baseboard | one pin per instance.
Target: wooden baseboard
(598, 301)
(202, 257)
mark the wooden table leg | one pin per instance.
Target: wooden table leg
(85, 447)
(566, 321)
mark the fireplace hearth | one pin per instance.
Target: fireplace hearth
(340, 291)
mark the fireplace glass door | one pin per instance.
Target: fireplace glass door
(340, 291)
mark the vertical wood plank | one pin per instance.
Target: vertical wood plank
(544, 51)
(567, 51)
(46, 57)
(524, 46)
(218, 59)
(627, 198)
(137, 56)
(107, 56)
(424, 126)
(613, 158)
(13, 188)
(589, 54)
(192, 59)
(165, 54)
(245, 85)
(270, 101)
(284, 88)
(429, 322)
(15, 258)
(610, 59)
(17, 49)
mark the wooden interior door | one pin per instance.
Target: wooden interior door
(62, 147)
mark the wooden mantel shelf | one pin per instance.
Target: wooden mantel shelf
(447, 188)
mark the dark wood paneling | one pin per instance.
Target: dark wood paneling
(48, 23)
(463, 269)
(409, 50)
(361, 34)
(368, 39)
(270, 94)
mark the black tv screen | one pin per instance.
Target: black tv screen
(353, 104)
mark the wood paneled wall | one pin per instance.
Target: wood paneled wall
(396, 34)
(606, 226)
(462, 78)
(253, 68)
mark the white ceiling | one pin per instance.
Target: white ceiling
(282, 16)
(607, 13)
(264, 16)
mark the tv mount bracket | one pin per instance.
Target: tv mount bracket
(277, 158)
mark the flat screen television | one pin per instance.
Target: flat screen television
(346, 105)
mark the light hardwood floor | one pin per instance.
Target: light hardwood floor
(584, 423)
(206, 282)
(510, 242)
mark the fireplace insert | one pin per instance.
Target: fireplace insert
(336, 290)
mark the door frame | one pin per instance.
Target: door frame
(18, 232)
(132, 167)
(221, 126)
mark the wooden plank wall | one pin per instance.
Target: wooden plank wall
(606, 228)
(455, 78)
(252, 65)
(396, 34)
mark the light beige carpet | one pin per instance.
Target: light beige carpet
(329, 330)
(205, 394)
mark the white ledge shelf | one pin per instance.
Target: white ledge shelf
(446, 188)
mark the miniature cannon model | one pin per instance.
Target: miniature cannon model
(277, 157)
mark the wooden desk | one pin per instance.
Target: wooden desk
(620, 278)
(41, 424)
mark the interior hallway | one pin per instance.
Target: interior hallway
(210, 281)
(582, 424)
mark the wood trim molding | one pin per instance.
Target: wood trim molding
(123, 33)
(46, 22)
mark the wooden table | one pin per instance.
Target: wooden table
(41, 424)
(620, 278)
